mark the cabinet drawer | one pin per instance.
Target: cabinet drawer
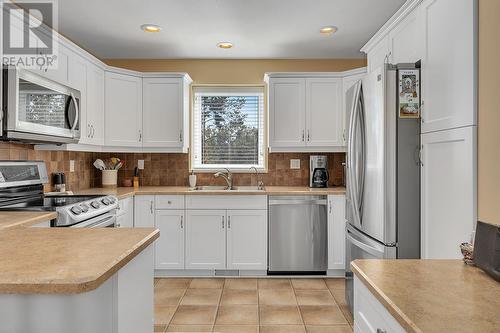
(169, 202)
(226, 202)
(369, 314)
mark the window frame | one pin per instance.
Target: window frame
(264, 168)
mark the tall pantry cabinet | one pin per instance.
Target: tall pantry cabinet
(428, 31)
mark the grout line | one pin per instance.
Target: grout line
(298, 307)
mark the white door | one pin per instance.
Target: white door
(448, 64)
(247, 239)
(144, 211)
(287, 112)
(123, 105)
(336, 232)
(163, 112)
(448, 191)
(169, 248)
(205, 239)
(324, 112)
(94, 129)
(404, 40)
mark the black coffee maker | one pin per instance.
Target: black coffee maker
(318, 171)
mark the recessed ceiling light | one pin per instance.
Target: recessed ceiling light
(328, 30)
(225, 45)
(150, 28)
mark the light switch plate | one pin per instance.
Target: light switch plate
(140, 164)
(294, 164)
(71, 165)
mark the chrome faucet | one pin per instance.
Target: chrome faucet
(228, 177)
(260, 183)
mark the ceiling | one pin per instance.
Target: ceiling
(259, 29)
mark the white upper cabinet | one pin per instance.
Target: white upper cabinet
(448, 64)
(306, 112)
(286, 112)
(165, 113)
(123, 110)
(324, 112)
(93, 131)
(405, 40)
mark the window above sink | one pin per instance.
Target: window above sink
(228, 128)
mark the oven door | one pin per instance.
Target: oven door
(41, 109)
(107, 220)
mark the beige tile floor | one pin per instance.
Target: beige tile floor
(265, 305)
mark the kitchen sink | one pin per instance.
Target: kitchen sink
(211, 188)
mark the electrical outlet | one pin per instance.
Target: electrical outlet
(71, 165)
(140, 164)
(294, 164)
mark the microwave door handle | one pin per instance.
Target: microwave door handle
(77, 109)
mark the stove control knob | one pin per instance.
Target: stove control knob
(111, 200)
(84, 208)
(105, 201)
(76, 210)
(95, 204)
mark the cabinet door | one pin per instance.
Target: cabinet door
(378, 55)
(404, 40)
(169, 248)
(247, 239)
(287, 112)
(125, 213)
(59, 72)
(324, 112)
(448, 64)
(163, 112)
(205, 239)
(336, 232)
(144, 211)
(94, 128)
(448, 191)
(123, 105)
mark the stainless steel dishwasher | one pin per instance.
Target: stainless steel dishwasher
(297, 234)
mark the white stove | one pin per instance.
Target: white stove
(21, 189)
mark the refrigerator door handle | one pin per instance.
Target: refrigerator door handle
(350, 167)
(363, 155)
(367, 248)
(355, 185)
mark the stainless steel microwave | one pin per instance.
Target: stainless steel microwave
(36, 109)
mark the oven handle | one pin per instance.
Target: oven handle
(77, 109)
(104, 222)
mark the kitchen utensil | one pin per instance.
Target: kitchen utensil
(99, 164)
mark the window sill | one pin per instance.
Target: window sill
(238, 170)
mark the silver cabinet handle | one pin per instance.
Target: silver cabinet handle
(89, 131)
(180, 136)
(379, 330)
(182, 224)
(303, 135)
(140, 136)
(308, 136)
(222, 222)
(229, 222)
(330, 206)
(93, 130)
(151, 206)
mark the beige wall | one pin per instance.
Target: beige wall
(236, 71)
(489, 113)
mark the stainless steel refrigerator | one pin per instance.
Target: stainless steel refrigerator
(383, 167)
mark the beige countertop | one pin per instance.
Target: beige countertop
(123, 192)
(12, 219)
(433, 295)
(65, 260)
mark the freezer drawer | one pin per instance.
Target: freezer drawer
(298, 234)
(360, 246)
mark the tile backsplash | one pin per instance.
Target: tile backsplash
(173, 170)
(166, 169)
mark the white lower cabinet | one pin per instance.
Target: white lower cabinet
(205, 239)
(144, 211)
(336, 232)
(247, 239)
(169, 249)
(125, 213)
(370, 316)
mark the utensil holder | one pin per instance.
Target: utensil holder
(109, 178)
